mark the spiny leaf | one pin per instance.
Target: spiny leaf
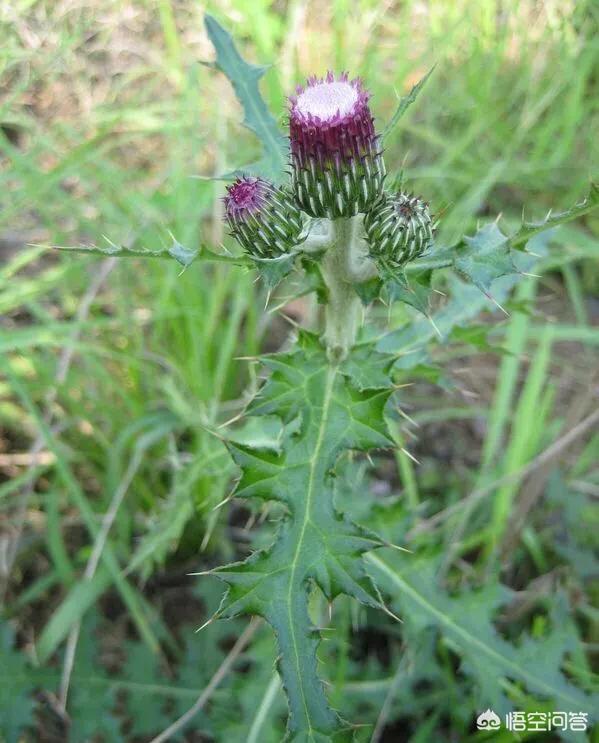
(16, 686)
(367, 368)
(146, 711)
(466, 621)
(477, 336)
(488, 255)
(253, 706)
(244, 78)
(405, 102)
(184, 256)
(465, 303)
(274, 270)
(528, 230)
(485, 257)
(91, 707)
(415, 291)
(328, 409)
(369, 290)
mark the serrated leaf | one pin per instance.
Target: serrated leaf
(369, 290)
(528, 230)
(260, 432)
(273, 270)
(465, 303)
(244, 78)
(145, 711)
(484, 257)
(328, 411)
(202, 656)
(16, 687)
(184, 256)
(253, 706)
(91, 706)
(415, 291)
(367, 368)
(466, 621)
(477, 336)
(405, 102)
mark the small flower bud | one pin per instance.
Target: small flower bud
(337, 166)
(399, 228)
(262, 218)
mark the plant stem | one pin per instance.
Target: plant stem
(343, 265)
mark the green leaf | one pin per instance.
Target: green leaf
(274, 270)
(465, 303)
(16, 688)
(415, 291)
(146, 711)
(466, 623)
(405, 102)
(528, 230)
(477, 336)
(91, 706)
(328, 409)
(244, 78)
(202, 656)
(369, 290)
(184, 256)
(485, 257)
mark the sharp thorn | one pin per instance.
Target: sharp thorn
(212, 618)
(222, 503)
(435, 328)
(407, 417)
(411, 456)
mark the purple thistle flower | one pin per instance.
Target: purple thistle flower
(245, 197)
(262, 217)
(337, 166)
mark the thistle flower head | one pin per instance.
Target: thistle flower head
(337, 169)
(399, 228)
(262, 217)
(245, 197)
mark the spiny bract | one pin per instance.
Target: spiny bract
(399, 228)
(262, 217)
(337, 166)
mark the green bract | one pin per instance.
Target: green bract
(399, 228)
(263, 218)
(337, 167)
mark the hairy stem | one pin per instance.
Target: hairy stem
(344, 264)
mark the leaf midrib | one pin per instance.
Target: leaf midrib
(467, 636)
(326, 404)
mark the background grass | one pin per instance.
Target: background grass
(114, 373)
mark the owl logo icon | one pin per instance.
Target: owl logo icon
(488, 720)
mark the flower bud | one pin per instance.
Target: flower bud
(337, 166)
(262, 217)
(399, 228)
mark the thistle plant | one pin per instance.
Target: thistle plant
(320, 208)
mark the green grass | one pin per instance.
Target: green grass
(108, 115)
